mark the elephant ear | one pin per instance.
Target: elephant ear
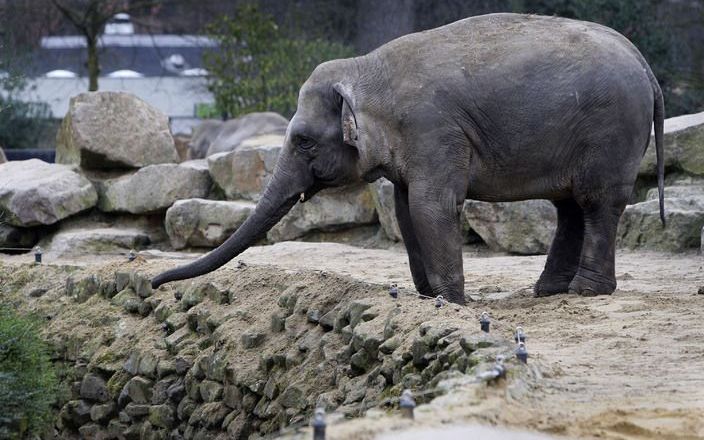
(348, 120)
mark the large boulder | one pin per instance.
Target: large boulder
(154, 188)
(383, 194)
(684, 146)
(204, 223)
(640, 224)
(235, 131)
(105, 130)
(203, 135)
(94, 241)
(244, 173)
(34, 193)
(331, 209)
(525, 227)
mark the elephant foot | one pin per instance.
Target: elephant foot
(592, 286)
(552, 284)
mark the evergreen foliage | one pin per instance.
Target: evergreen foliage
(257, 67)
(28, 385)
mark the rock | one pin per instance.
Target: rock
(16, 237)
(75, 412)
(181, 142)
(138, 389)
(153, 188)
(193, 295)
(122, 280)
(203, 135)
(293, 397)
(677, 191)
(136, 410)
(34, 193)
(244, 173)
(175, 321)
(82, 242)
(103, 413)
(176, 392)
(91, 431)
(525, 227)
(368, 336)
(128, 300)
(114, 130)
(94, 388)
(330, 209)
(232, 397)
(204, 223)
(162, 416)
(141, 285)
(212, 414)
(235, 131)
(185, 409)
(684, 146)
(210, 391)
(252, 339)
(640, 224)
(383, 194)
(82, 289)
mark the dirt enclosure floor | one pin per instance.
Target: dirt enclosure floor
(625, 366)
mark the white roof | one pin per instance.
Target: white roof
(138, 40)
(125, 74)
(60, 73)
(196, 71)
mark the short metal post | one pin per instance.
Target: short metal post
(37, 255)
(522, 352)
(407, 404)
(484, 322)
(319, 424)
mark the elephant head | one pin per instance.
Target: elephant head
(320, 151)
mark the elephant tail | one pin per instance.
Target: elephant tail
(659, 122)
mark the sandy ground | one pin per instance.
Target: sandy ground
(625, 366)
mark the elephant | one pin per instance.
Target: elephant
(499, 107)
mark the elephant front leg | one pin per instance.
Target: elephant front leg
(415, 256)
(435, 214)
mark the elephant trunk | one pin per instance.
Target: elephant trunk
(280, 196)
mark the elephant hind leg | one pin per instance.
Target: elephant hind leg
(596, 273)
(564, 255)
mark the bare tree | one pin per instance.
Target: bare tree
(90, 16)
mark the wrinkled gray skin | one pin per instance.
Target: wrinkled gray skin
(499, 107)
(234, 131)
(203, 135)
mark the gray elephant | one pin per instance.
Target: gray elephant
(499, 107)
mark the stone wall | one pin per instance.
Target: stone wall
(230, 357)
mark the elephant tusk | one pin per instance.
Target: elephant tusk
(302, 198)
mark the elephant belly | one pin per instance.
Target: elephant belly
(495, 186)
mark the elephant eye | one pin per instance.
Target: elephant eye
(305, 143)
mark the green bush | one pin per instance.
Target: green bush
(257, 68)
(22, 124)
(28, 384)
